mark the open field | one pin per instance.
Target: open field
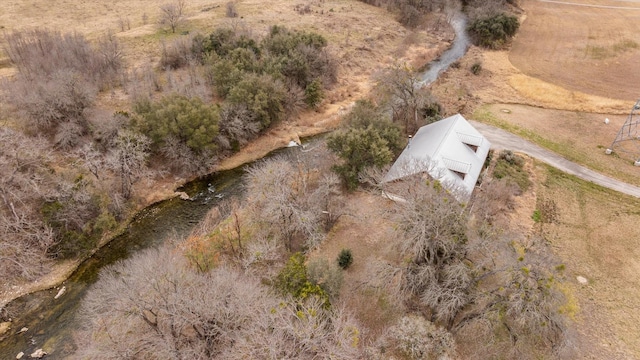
(567, 71)
(588, 46)
(571, 67)
(597, 238)
(576, 136)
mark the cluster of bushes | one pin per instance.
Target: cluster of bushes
(294, 60)
(58, 78)
(367, 139)
(493, 31)
(260, 81)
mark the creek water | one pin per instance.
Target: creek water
(460, 46)
(51, 322)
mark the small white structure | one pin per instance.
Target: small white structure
(450, 151)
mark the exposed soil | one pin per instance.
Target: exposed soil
(569, 68)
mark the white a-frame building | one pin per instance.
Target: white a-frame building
(450, 151)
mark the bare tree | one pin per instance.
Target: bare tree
(173, 14)
(154, 306)
(25, 182)
(516, 305)
(432, 226)
(276, 190)
(304, 330)
(38, 54)
(417, 338)
(238, 125)
(128, 158)
(400, 89)
(290, 202)
(63, 97)
(91, 159)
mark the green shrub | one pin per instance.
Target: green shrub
(537, 216)
(476, 68)
(493, 32)
(189, 121)
(345, 259)
(224, 75)
(510, 166)
(313, 94)
(262, 95)
(293, 280)
(367, 140)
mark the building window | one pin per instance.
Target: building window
(460, 174)
(472, 147)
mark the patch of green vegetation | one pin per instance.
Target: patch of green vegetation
(625, 45)
(510, 166)
(597, 52)
(294, 280)
(556, 177)
(476, 68)
(536, 216)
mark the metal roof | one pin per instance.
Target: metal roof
(451, 151)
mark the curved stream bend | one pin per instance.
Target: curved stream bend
(456, 51)
(50, 321)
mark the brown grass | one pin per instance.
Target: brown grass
(577, 136)
(597, 238)
(363, 230)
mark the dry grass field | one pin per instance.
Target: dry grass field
(568, 69)
(597, 238)
(590, 46)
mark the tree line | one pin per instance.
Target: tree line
(70, 167)
(463, 284)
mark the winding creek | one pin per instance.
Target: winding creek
(50, 322)
(460, 46)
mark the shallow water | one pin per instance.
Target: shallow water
(50, 321)
(456, 51)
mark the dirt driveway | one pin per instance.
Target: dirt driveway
(591, 46)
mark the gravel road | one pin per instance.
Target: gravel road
(501, 139)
